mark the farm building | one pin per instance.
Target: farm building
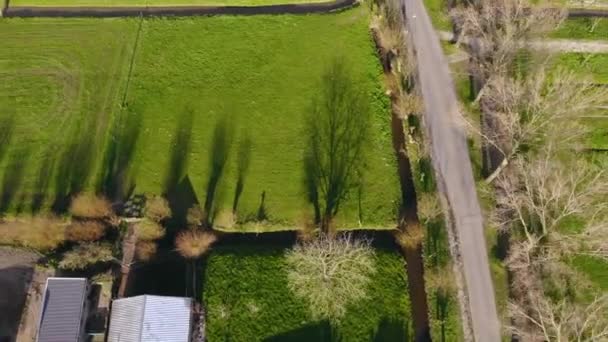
(64, 310)
(150, 318)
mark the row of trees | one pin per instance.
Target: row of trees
(550, 202)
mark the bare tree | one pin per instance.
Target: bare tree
(495, 33)
(561, 320)
(530, 112)
(331, 273)
(337, 130)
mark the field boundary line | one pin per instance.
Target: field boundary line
(147, 11)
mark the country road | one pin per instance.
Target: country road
(450, 157)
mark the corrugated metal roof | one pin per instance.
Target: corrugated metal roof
(62, 310)
(150, 318)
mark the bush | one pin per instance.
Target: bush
(86, 255)
(40, 233)
(145, 250)
(247, 298)
(148, 230)
(191, 244)
(157, 208)
(91, 207)
(85, 231)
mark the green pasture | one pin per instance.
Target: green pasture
(246, 297)
(246, 80)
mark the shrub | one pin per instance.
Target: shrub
(40, 233)
(195, 216)
(191, 244)
(145, 250)
(148, 230)
(85, 255)
(85, 231)
(90, 206)
(157, 208)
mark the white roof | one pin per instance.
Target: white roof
(150, 319)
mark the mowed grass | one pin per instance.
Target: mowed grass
(257, 73)
(58, 78)
(126, 3)
(260, 73)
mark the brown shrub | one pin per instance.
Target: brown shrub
(145, 250)
(86, 255)
(85, 231)
(40, 233)
(157, 208)
(148, 230)
(191, 244)
(410, 237)
(90, 206)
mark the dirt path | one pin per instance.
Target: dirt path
(554, 45)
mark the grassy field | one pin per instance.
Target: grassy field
(583, 28)
(245, 78)
(155, 2)
(247, 299)
(59, 79)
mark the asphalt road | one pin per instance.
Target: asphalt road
(450, 156)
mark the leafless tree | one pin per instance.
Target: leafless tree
(331, 273)
(562, 320)
(534, 111)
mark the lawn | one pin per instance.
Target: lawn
(155, 2)
(59, 78)
(248, 78)
(583, 28)
(246, 298)
(438, 11)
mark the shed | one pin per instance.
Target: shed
(149, 318)
(63, 314)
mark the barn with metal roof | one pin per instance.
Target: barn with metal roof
(63, 314)
(150, 318)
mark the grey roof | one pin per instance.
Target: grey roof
(62, 310)
(150, 318)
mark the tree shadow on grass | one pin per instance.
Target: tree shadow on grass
(392, 330)
(177, 187)
(75, 164)
(116, 179)
(180, 151)
(13, 176)
(320, 332)
(7, 127)
(243, 161)
(43, 181)
(221, 144)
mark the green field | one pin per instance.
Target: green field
(583, 28)
(155, 2)
(257, 74)
(246, 298)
